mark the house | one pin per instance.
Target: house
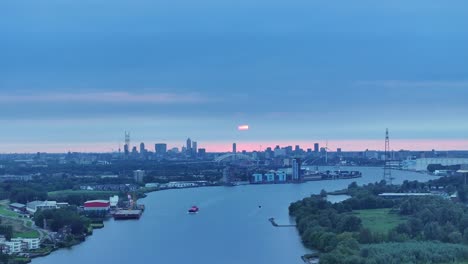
(35, 206)
(28, 243)
(18, 207)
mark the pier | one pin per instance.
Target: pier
(273, 222)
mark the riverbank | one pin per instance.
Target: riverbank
(166, 226)
(368, 227)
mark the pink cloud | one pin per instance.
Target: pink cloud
(107, 97)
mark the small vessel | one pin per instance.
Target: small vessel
(193, 209)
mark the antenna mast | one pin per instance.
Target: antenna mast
(387, 166)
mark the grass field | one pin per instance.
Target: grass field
(68, 192)
(379, 220)
(6, 212)
(27, 234)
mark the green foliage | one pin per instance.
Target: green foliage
(7, 231)
(57, 219)
(379, 220)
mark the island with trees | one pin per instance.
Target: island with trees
(369, 228)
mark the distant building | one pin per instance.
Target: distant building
(201, 152)
(338, 150)
(35, 206)
(316, 147)
(134, 150)
(18, 207)
(421, 164)
(113, 201)
(27, 243)
(234, 148)
(97, 205)
(257, 177)
(142, 148)
(138, 176)
(281, 175)
(270, 177)
(194, 148)
(296, 170)
(15, 178)
(161, 148)
(188, 147)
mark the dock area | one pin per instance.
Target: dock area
(127, 214)
(273, 222)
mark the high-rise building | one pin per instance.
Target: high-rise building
(188, 147)
(201, 152)
(160, 148)
(194, 148)
(134, 150)
(338, 150)
(234, 148)
(316, 147)
(142, 148)
(296, 170)
(138, 175)
(126, 149)
(297, 149)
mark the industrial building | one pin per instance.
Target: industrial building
(421, 164)
(97, 205)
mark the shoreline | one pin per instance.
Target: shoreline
(147, 190)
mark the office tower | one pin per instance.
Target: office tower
(194, 148)
(142, 148)
(296, 170)
(316, 147)
(188, 147)
(234, 148)
(160, 148)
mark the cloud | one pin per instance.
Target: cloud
(107, 97)
(413, 84)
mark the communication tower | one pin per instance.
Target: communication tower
(387, 158)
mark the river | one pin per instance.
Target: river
(230, 227)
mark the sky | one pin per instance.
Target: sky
(74, 75)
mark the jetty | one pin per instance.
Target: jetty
(273, 222)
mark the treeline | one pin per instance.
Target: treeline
(60, 218)
(435, 230)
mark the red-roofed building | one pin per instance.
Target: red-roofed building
(97, 205)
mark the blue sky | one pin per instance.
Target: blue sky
(79, 73)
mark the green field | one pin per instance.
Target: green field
(79, 192)
(7, 212)
(27, 234)
(379, 220)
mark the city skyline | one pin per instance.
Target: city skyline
(293, 71)
(345, 146)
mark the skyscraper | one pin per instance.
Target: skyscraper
(188, 147)
(142, 148)
(296, 170)
(234, 148)
(194, 148)
(160, 148)
(316, 147)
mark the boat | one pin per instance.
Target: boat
(194, 209)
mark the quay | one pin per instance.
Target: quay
(273, 222)
(127, 214)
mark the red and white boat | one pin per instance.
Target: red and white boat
(194, 209)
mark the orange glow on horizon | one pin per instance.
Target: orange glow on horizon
(225, 146)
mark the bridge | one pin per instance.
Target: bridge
(233, 156)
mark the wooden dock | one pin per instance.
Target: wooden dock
(273, 222)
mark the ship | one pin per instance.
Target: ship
(194, 209)
(127, 214)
